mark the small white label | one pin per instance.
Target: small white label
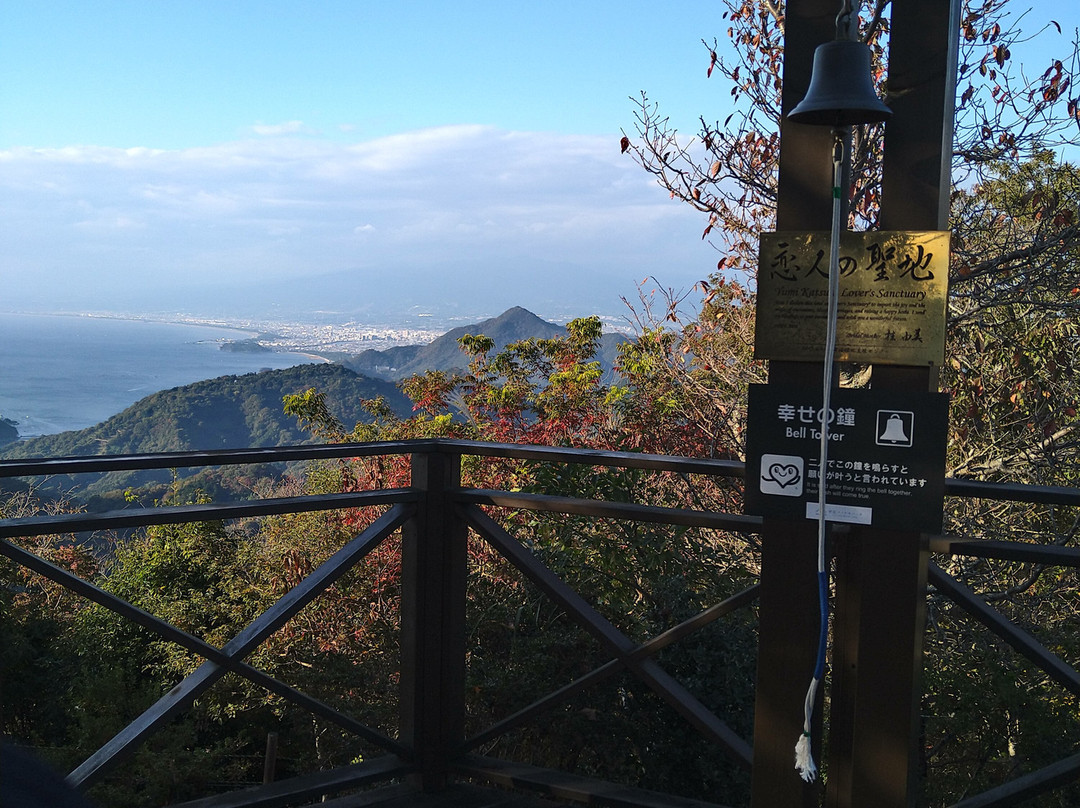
(852, 514)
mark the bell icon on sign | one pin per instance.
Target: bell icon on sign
(894, 431)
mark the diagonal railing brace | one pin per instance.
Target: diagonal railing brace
(662, 683)
(171, 633)
(608, 669)
(181, 696)
(1022, 642)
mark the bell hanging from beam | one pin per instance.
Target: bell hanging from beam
(841, 91)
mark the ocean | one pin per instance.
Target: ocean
(67, 372)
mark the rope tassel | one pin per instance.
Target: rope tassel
(804, 760)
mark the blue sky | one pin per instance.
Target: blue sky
(195, 73)
(153, 151)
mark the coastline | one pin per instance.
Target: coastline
(312, 340)
(323, 359)
(67, 371)
(137, 318)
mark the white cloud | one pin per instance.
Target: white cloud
(107, 222)
(278, 129)
(281, 207)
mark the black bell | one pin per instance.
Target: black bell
(841, 92)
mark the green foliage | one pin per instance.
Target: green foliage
(72, 677)
(684, 381)
(1012, 373)
(644, 578)
(39, 662)
(314, 416)
(990, 714)
(1013, 368)
(228, 412)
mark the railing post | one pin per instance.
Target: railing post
(433, 579)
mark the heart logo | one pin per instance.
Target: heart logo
(783, 474)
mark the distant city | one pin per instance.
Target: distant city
(325, 338)
(333, 338)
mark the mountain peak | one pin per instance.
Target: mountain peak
(444, 353)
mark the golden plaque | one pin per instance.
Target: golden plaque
(893, 293)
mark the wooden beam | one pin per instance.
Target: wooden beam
(881, 573)
(307, 787)
(788, 608)
(1030, 785)
(1018, 639)
(433, 595)
(594, 677)
(570, 787)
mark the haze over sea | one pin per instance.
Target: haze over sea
(67, 372)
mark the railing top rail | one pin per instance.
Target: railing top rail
(1013, 492)
(44, 466)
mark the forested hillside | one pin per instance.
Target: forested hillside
(223, 413)
(229, 412)
(232, 412)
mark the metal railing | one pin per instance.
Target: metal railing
(435, 515)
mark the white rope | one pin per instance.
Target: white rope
(804, 758)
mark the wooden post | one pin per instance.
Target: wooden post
(433, 620)
(788, 607)
(881, 574)
(270, 760)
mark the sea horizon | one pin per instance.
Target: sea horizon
(66, 372)
(63, 371)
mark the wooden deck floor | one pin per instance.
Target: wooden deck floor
(457, 795)
(471, 795)
(478, 783)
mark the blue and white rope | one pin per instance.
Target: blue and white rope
(804, 758)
